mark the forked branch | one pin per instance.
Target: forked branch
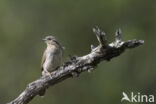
(77, 65)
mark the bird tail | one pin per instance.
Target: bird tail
(42, 92)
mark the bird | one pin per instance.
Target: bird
(52, 57)
(125, 97)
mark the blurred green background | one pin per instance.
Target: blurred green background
(23, 23)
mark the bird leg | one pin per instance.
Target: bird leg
(48, 74)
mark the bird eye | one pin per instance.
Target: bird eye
(49, 39)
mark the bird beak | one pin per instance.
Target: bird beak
(44, 39)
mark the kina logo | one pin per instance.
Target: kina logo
(137, 97)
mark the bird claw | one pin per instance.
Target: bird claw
(46, 73)
(49, 75)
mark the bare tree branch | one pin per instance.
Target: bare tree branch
(76, 65)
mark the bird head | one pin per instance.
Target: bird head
(50, 40)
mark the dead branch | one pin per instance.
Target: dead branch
(77, 65)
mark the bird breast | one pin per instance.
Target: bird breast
(53, 59)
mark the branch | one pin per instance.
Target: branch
(77, 65)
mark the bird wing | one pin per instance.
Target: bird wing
(60, 46)
(43, 60)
